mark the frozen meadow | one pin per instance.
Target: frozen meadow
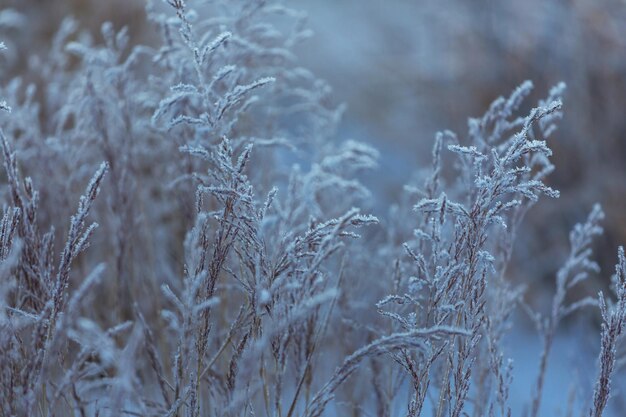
(195, 224)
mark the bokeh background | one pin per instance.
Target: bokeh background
(408, 68)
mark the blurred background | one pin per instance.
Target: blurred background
(409, 68)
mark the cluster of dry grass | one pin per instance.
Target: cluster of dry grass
(179, 237)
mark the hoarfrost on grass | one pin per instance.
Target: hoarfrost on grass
(217, 277)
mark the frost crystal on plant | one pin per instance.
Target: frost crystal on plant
(184, 232)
